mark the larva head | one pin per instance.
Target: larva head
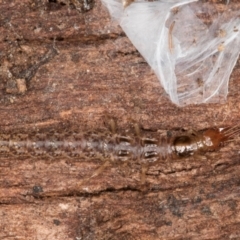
(214, 137)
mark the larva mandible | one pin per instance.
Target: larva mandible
(144, 147)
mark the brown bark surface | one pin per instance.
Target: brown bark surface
(66, 64)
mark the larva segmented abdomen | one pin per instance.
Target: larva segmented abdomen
(145, 149)
(141, 149)
(74, 144)
(42, 144)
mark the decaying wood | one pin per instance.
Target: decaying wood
(66, 64)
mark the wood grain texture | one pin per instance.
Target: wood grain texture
(64, 64)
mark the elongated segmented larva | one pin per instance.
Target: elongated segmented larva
(76, 144)
(146, 148)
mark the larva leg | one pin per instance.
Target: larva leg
(110, 123)
(143, 174)
(100, 170)
(124, 169)
(96, 173)
(137, 129)
(143, 183)
(191, 132)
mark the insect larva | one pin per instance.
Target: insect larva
(141, 147)
(144, 147)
